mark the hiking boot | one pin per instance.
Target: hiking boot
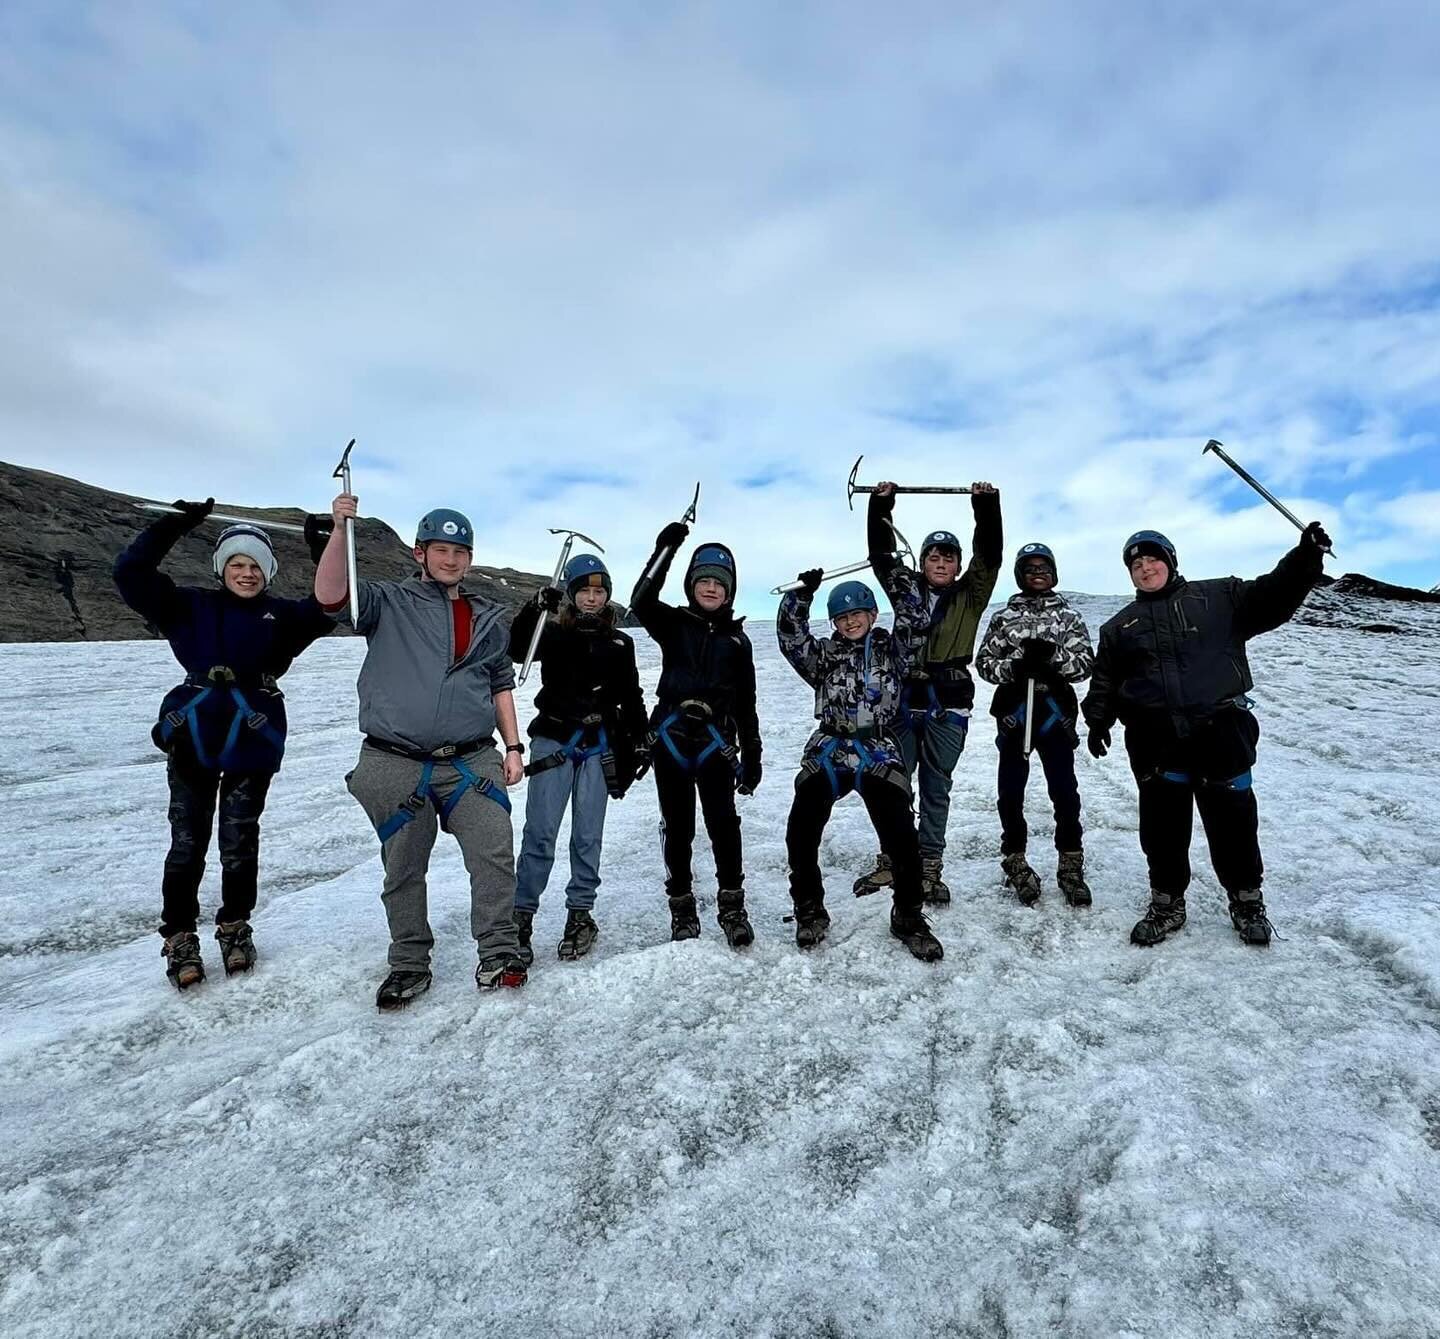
(1247, 915)
(237, 947)
(730, 912)
(524, 930)
(182, 952)
(399, 988)
(1020, 877)
(882, 876)
(812, 924)
(913, 930)
(684, 919)
(579, 937)
(933, 888)
(1164, 916)
(503, 969)
(1070, 875)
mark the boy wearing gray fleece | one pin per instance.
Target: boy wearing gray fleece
(435, 688)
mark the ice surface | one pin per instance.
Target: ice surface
(1049, 1133)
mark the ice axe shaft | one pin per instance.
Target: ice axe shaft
(570, 537)
(664, 554)
(1219, 450)
(858, 566)
(261, 521)
(1029, 716)
(851, 487)
(342, 472)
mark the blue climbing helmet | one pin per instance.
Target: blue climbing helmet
(850, 596)
(940, 539)
(1028, 551)
(584, 569)
(445, 526)
(716, 562)
(1153, 543)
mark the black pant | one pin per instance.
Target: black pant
(193, 792)
(675, 787)
(1057, 757)
(888, 805)
(1208, 769)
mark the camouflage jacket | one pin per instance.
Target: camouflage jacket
(857, 684)
(1048, 618)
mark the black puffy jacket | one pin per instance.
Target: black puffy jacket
(587, 667)
(254, 639)
(1177, 656)
(705, 657)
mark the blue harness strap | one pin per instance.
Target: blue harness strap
(842, 777)
(244, 716)
(715, 744)
(425, 793)
(1242, 782)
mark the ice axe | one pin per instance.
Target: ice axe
(1029, 717)
(262, 522)
(1219, 450)
(570, 537)
(664, 554)
(851, 487)
(342, 472)
(834, 572)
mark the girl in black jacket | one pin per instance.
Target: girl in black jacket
(705, 728)
(586, 740)
(223, 726)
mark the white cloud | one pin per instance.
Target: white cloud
(501, 241)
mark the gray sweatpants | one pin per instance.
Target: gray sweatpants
(382, 782)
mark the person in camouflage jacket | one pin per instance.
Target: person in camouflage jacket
(858, 676)
(1037, 637)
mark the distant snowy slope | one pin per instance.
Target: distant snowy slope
(1049, 1133)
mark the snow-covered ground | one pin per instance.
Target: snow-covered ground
(1049, 1133)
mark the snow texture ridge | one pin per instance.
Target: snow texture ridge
(1049, 1133)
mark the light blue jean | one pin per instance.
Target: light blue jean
(582, 788)
(931, 747)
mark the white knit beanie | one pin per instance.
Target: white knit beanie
(249, 540)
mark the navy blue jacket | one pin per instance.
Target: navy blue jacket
(230, 723)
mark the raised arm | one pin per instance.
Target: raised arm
(1265, 603)
(542, 604)
(645, 602)
(142, 585)
(792, 628)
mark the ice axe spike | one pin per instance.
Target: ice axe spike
(228, 520)
(342, 472)
(1219, 450)
(570, 537)
(851, 487)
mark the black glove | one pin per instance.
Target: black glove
(1035, 659)
(318, 530)
(810, 580)
(548, 598)
(750, 773)
(1313, 537)
(193, 513)
(673, 535)
(1098, 741)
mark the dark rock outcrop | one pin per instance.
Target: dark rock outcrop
(59, 539)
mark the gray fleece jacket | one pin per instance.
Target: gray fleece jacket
(411, 691)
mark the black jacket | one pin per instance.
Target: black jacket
(705, 657)
(587, 668)
(255, 639)
(1177, 657)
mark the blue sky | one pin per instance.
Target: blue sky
(552, 263)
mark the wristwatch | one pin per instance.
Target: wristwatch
(514, 748)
